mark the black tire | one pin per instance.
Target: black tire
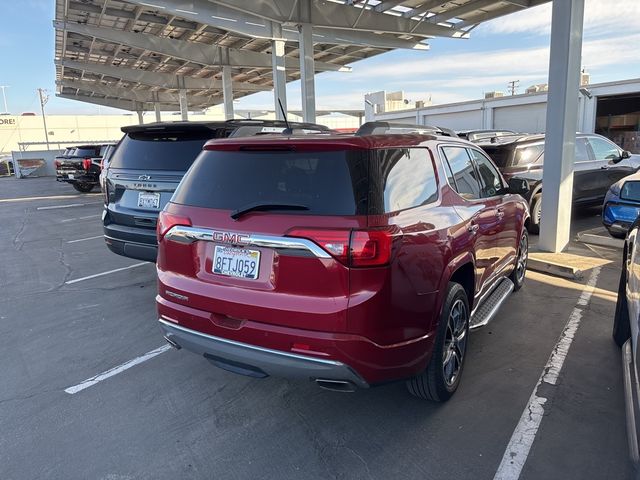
(535, 209)
(621, 325)
(83, 187)
(432, 384)
(520, 271)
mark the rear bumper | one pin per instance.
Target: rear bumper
(322, 354)
(257, 361)
(76, 176)
(131, 242)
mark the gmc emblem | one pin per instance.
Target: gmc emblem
(233, 238)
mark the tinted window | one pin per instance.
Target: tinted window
(528, 155)
(464, 175)
(84, 152)
(603, 149)
(159, 151)
(407, 178)
(631, 191)
(490, 180)
(328, 183)
(581, 152)
(499, 155)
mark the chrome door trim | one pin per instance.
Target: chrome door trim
(183, 234)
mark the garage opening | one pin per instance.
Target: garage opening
(618, 118)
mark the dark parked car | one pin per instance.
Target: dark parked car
(80, 166)
(146, 168)
(599, 163)
(347, 260)
(622, 205)
(625, 333)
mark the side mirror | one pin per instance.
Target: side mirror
(518, 186)
(625, 154)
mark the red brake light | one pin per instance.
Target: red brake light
(353, 248)
(86, 164)
(166, 221)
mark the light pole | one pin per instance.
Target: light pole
(4, 97)
(44, 98)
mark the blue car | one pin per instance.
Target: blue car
(622, 205)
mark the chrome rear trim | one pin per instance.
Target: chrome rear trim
(182, 234)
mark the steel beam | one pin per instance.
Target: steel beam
(227, 92)
(307, 74)
(461, 10)
(184, 106)
(145, 77)
(199, 53)
(278, 71)
(251, 18)
(156, 109)
(562, 116)
(128, 93)
(334, 15)
(112, 102)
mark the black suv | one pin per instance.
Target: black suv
(147, 166)
(80, 166)
(599, 163)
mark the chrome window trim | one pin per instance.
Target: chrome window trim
(183, 234)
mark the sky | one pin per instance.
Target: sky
(515, 47)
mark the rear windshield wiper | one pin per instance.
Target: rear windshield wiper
(264, 206)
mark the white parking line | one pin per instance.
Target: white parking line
(525, 432)
(54, 207)
(79, 218)
(50, 197)
(69, 282)
(116, 370)
(85, 239)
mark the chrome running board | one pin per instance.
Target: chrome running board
(490, 306)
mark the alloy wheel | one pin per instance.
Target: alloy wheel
(455, 343)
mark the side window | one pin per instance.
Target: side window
(528, 155)
(604, 149)
(581, 152)
(490, 180)
(408, 178)
(465, 181)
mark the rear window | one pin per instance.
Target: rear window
(159, 151)
(499, 155)
(528, 155)
(327, 183)
(84, 152)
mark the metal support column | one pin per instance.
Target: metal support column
(182, 93)
(227, 92)
(156, 107)
(562, 115)
(307, 73)
(139, 112)
(279, 72)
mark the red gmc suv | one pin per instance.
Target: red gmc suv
(349, 260)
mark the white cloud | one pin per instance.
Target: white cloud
(600, 17)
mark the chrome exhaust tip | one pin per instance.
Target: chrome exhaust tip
(335, 385)
(172, 343)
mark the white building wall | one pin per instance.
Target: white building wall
(524, 113)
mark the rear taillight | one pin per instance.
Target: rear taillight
(102, 164)
(353, 248)
(166, 221)
(86, 164)
(57, 163)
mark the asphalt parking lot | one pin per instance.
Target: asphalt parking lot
(176, 416)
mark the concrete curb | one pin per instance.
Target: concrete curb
(600, 240)
(552, 268)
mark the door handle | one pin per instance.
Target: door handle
(473, 228)
(500, 212)
(604, 167)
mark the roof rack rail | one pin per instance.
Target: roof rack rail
(381, 128)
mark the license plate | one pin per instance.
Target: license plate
(148, 200)
(236, 262)
(71, 176)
